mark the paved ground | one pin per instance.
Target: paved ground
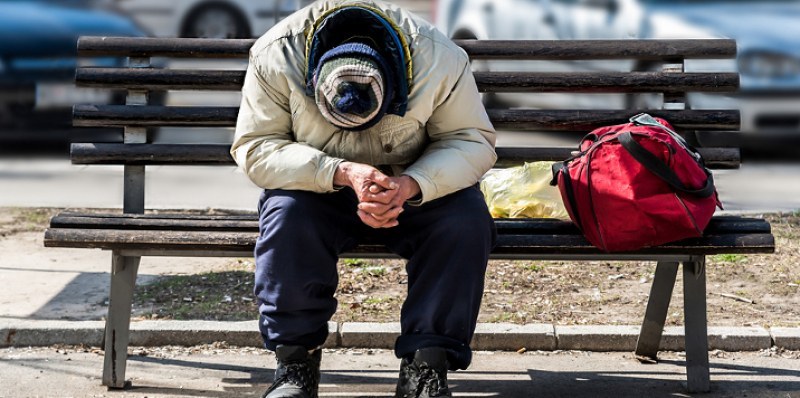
(210, 372)
(41, 283)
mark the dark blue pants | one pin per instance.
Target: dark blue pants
(446, 242)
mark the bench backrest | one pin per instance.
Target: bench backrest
(141, 81)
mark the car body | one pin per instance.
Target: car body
(220, 19)
(38, 58)
(767, 34)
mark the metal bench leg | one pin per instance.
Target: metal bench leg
(123, 280)
(694, 308)
(657, 307)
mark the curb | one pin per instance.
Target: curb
(488, 336)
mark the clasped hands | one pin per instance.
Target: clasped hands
(380, 197)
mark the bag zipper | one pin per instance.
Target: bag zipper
(644, 119)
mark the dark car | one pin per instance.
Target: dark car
(37, 65)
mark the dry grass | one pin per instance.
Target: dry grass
(561, 292)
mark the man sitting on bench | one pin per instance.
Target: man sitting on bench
(359, 120)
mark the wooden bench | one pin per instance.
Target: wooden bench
(134, 232)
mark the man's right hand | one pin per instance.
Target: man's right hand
(361, 177)
(370, 185)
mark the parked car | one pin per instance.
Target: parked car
(38, 58)
(219, 19)
(766, 32)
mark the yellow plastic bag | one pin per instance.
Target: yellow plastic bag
(523, 191)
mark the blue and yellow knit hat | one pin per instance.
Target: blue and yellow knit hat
(352, 87)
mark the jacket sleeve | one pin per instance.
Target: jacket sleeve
(462, 143)
(264, 145)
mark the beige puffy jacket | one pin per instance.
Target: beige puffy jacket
(445, 141)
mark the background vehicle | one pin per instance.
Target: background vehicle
(37, 65)
(766, 32)
(220, 19)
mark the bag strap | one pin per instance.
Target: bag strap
(563, 169)
(661, 170)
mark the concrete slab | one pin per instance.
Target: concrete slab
(720, 338)
(673, 339)
(159, 333)
(786, 338)
(512, 337)
(738, 338)
(369, 335)
(597, 338)
(24, 333)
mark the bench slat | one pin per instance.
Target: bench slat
(656, 50)
(585, 120)
(506, 244)
(477, 49)
(521, 82)
(245, 215)
(159, 79)
(715, 158)
(249, 223)
(219, 154)
(513, 119)
(94, 46)
(605, 82)
(152, 154)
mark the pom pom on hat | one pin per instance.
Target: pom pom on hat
(351, 86)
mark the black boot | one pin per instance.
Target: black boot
(425, 376)
(297, 374)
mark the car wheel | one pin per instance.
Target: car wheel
(216, 21)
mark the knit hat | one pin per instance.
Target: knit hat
(352, 87)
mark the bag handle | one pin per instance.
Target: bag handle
(644, 119)
(661, 170)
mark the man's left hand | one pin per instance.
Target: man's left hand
(381, 207)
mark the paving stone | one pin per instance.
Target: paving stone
(597, 338)
(786, 338)
(42, 333)
(243, 334)
(508, 336)
(369, 335)
(738, 338)
(720, 338)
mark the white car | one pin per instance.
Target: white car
(767, 33)
(217, 19)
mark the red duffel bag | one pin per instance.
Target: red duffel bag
(636, 185)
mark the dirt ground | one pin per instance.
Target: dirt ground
(743, 290)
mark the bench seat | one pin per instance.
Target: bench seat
(226, 235)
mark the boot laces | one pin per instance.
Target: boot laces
(299, 374)
(430, 382)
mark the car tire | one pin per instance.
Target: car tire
(216, 21)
